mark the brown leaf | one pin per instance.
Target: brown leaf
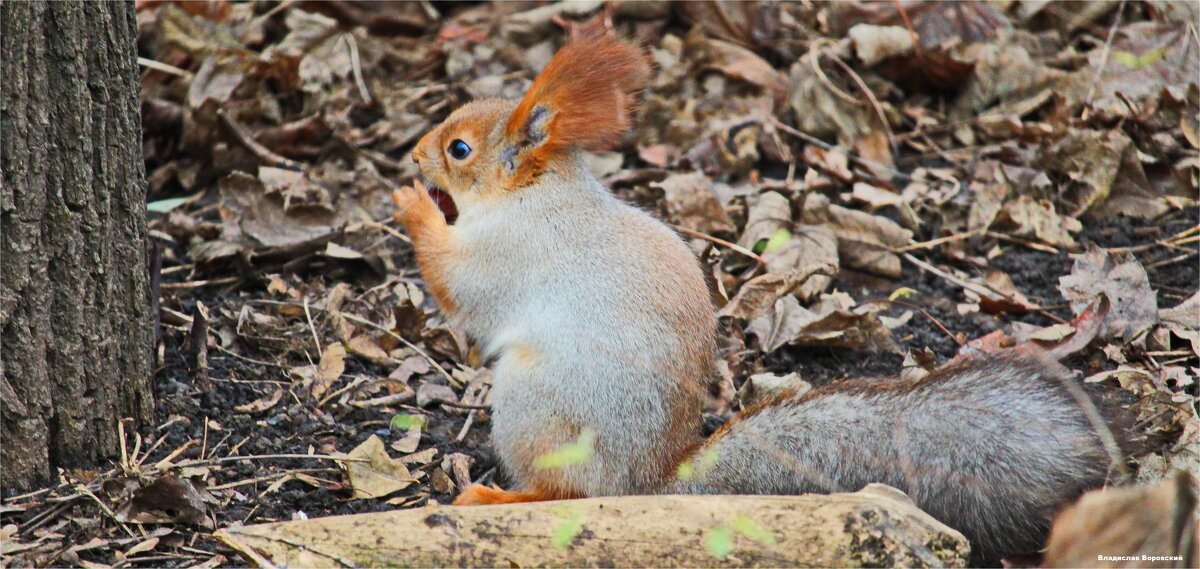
(281, 209)
(692, 199)
(1036, 219)
(1120, 278)
(1183, 320)
(1107, 176)
(1136, 523)
(169, 500)
(380, 476)
(366, 347)
(1145, 57)
(263, 403)
(829, 323)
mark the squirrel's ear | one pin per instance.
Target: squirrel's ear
(585, 97)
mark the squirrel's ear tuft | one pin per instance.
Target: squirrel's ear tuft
(585, 96)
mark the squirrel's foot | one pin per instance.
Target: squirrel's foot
(414, 206)
(480, 495)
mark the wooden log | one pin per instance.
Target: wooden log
(875, 527)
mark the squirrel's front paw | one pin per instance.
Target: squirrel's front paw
(414, 205)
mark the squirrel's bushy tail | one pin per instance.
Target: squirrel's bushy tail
(992, 445)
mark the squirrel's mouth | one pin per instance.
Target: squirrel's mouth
(443, 200)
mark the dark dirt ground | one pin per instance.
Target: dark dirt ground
(292, 430)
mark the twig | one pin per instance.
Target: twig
(165, 68)
(919, 309)
(719, 241)
(815, 61)
(266, 457)
(464, 405)
(388, 230)
(912, 33)
(887, 128)
(462, 434)
(831, 148)
(935, 242)
(1112, 33)
(262, 152)
(384, 330)
(982, 290)
(1026, 243)
(248, 359)
(359, 380)
(385, 400)
(356, 66)
(267, 477)
(1171, 260)
(311, 327)
(198, 284)
(104, 508)
(422, 353)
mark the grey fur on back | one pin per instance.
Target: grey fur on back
(992, 448)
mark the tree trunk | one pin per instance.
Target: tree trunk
(75, 340)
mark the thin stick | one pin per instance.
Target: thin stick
(830, 148)
(384, 330)
(1112, 33)
(267, 477)
(248, 359)
(422, 353)
(388, 230)
(1023, 242)
(311, 327)
(266, 457)
(164, 67)
(935, 242)
(262, 152)
(198, 284)
(719, 241)
(976, 288)
(356, 66)
(921, 310)
(887, 128)
(462, 434)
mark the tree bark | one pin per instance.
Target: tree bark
(75, 339)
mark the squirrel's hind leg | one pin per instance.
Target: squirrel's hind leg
(480, 495)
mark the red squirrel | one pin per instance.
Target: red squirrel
(600, 324)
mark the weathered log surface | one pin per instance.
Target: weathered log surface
(878, 526)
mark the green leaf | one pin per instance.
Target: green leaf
(164, 206)
(566, 531)
(1133, 61)
(752, 530)
(404, 422)
(902, 292)
(719, 541)
(778, 240)
(577, 452)
(1125, 58)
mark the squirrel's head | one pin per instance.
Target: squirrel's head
(583, 99)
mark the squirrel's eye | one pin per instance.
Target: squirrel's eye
(459, 149)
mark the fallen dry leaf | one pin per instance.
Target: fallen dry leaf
(263, 403)
(380, 476)
(692, 200)
(1120, 278)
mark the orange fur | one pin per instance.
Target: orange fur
(431, 237)
(480, 495)
(590, 87)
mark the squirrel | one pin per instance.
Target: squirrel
(599, 322)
